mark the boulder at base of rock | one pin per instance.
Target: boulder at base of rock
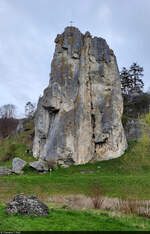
(86, 172)
(26, 205)
(5, 171)
(39, 166)
(65, 166)
(17, 165)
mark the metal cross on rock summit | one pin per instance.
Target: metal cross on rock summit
(71, 22)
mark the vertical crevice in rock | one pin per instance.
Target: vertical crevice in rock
(93, 123)
(93, 126)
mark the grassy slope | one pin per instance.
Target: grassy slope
(21, 143)
(127, 176)
(124, 177)
(65, 220)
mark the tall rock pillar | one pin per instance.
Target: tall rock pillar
(78, 118)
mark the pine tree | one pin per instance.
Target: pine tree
(29, 109)
(136, 72)
(131, 79)
(126, 82)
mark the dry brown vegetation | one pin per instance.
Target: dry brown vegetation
(134, 206)
(7, 126)
(96, 196)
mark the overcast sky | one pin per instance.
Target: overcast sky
(28, 29)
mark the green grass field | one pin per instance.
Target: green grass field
(67, 220)
(124, 177)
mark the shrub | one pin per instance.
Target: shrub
(142, 149)
(134, 206)
(128, 206)
(96, 196)
(9, 154)
(6, 157)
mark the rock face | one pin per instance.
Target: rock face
(26, 205)
(79, 116)
(19, 127)
(133, 130)
(17, 165)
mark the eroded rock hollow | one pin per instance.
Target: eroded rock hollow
(78, 118)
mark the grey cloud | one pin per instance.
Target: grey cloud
(28, 29)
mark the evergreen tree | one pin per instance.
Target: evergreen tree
(136, 72)
(125, 81)
(29, 109)
(131, 79)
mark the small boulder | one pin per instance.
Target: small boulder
(17, 165)
(86, 172)
(18, 172)
(39, 166)
(26, 205)
(65, 166)
(5, 170)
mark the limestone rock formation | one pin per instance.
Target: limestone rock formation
(78, 118)
(17, 165)
(39, 165)
(133, 129)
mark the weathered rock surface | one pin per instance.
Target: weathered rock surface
(5, 170)
(78, 118)
(133, 129)
(39, 166)
(64, 166)
(26, 205)
(17, 165)
(20, 127)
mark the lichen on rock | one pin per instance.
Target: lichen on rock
(26, 205)
(78, 118)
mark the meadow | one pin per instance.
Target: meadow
(126, 177)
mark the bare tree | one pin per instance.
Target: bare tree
(8, 123)
(8, 111)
